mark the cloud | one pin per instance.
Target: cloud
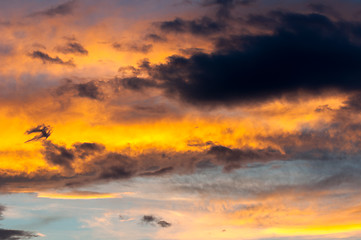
(9, 234)
(235, 158)
(6, 49)
(58, 155)
(155, 38)
(44, 131)
(135, 83)
(164, 224)
(305, 52)
(191, 51)
(61, 9)
(47, 59)
(150, 219)
(158, 172)
(2, 209)
(133, 47)
(224, 7)
(203, 26)
(323, 9)
(90, 89)
(115, 166)
(72, 47)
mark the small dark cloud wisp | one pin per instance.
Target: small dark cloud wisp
(72, 47)
(150, 219)
(48, 59)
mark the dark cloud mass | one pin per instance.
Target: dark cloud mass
(7, 234)
(48, 59)
(306, 52)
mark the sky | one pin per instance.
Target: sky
(180, 120)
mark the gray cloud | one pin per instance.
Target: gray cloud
(9, 234)
(90, 89)
(224, 7)
(236, 158)
(133, 47)
(203, 26)
(61, 9)
(72, 47)
(155, 38)
(150, 219)
(48, 59)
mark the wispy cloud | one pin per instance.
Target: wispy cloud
(61, 9)
(48, 59)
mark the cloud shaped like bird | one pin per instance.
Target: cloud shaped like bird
(44, 131)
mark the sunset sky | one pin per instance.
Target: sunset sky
(180, 119)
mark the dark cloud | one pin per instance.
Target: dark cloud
(164, 224)
(72, 47)
(323, 9)
(86, 149)
(135, 83)
(307, 52)
(63, 157)
(236, 158)
(323, 108)
(150, 219)
(44, 131)
(7, 234)
(224, 7)
(2, 209)
(203, 26)
(61, 9)
(158, 172)
(353, 103)
(89, 89)
(191, 51)
(116, 166)
(47, 59)
(58, 155)
(133, 47)
(155, 38)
